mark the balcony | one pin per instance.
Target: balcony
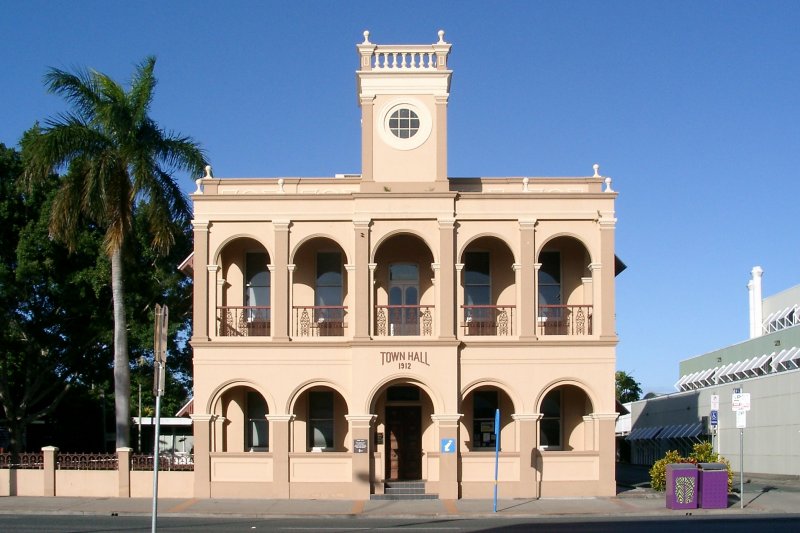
(243, 321)
(488, 320)
(404, 320)
(565, 320)
(319, 321)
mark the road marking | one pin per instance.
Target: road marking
(182, 506)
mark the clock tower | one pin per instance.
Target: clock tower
(403, 92)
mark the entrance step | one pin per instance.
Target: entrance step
(404, 490)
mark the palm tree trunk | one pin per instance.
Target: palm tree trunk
(122, 373)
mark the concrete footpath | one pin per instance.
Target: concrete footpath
(634, 498)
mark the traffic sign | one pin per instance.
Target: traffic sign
(741, 419)
(448, 446)
(715, 402)
(740, 401)
(714, 418)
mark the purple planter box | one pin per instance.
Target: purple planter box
(713, 489)
(681, 486)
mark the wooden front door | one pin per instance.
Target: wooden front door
(404, 443)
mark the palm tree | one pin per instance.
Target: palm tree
(117, 161)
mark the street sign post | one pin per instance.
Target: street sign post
(714, 418)
(740, 404)
(159, 384)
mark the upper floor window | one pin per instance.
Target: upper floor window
(257, 429)
(550, 278)
(329, 279)
(477, 280)
(484, 407)
(257, 279)
(404, 123)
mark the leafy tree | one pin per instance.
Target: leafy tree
(55, 326)
(119, 161)
(628, 389)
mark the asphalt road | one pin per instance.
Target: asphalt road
(685, 524)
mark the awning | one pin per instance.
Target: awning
(682, 431)
(643, 433)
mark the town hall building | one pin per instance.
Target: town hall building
(357, 333)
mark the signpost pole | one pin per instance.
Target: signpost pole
(741, 468)
(496, 453)
(159, 384)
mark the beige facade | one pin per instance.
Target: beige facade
(359, 329)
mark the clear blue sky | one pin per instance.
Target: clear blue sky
(691, 107)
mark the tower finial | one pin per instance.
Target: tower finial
(596, 168)
(441, 37)
(366, 37)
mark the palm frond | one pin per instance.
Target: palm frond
(79, 89)
(142, 87)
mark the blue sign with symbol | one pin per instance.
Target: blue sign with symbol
(448, 445)
(714, 418)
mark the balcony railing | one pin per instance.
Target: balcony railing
(319, 321)
(488, 320)
(243, 321)
(565, 320)
(404, 320)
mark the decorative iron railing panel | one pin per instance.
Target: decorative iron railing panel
(320, 321)
(166, 462)
(565, 320)
(488, 320)
(243, 321)
(404, 320)
(86, 461)
(24, 461)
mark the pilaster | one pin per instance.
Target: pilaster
(361, 448)
(279, 434)
(526, 279)
(280, 283)
(200, 282)
(605, 437)
(446, 279)
(124, 472)
(201, 425)
(527, 431)
(362, 287)
(447, 428)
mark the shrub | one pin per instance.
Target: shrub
(703, 452)
(658, 473)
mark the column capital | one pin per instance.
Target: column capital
(604, 416)
(363, 421)
(528, 224)
(527, 417)
(372, 266)
(281, 225)
(280, 418)
(202, 417)
(516, 267)
(537, 266)
(446, 420)
(213, 268)
(459, 267)
(446, 223)
(350, 267)
(291, 268)
(362, 223)
(435, 266)
(200, 226)
(595, 266)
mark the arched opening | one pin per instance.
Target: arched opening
(489, 290)
(245, 427)
(404, 430)
(404, 287)
(479, 407)
(320, 423)
(319, 290)
(564, 298)
(562, 426)
(244, 298)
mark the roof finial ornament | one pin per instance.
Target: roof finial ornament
(608, 185)
(280, 186)
(596, 168)
(441, 37)
(366, 37)
(208, 173)
(525, 181)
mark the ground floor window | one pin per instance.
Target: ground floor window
(320, 420)
(484, 406)
(550, 434)
(257, 429)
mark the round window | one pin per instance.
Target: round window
(404, 123)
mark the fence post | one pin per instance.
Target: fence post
(124, 471)
(49, 456)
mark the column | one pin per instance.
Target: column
(445, 312)
(279, 447)
(361, 288)
(536, 312)
(527, 279)
(367, 128)
(124, 472)
(280, 283)
(361, 448)
(215, 295)
(597, 315)
(200, 282)
(607, 326)
(49, 454)
(371, 310)
(351, 312)
(201, 424)
(605, 437)
(441, 138)
(447, 428)
(527, 427)
(461, 325)
(589, 433)
(293, 331)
